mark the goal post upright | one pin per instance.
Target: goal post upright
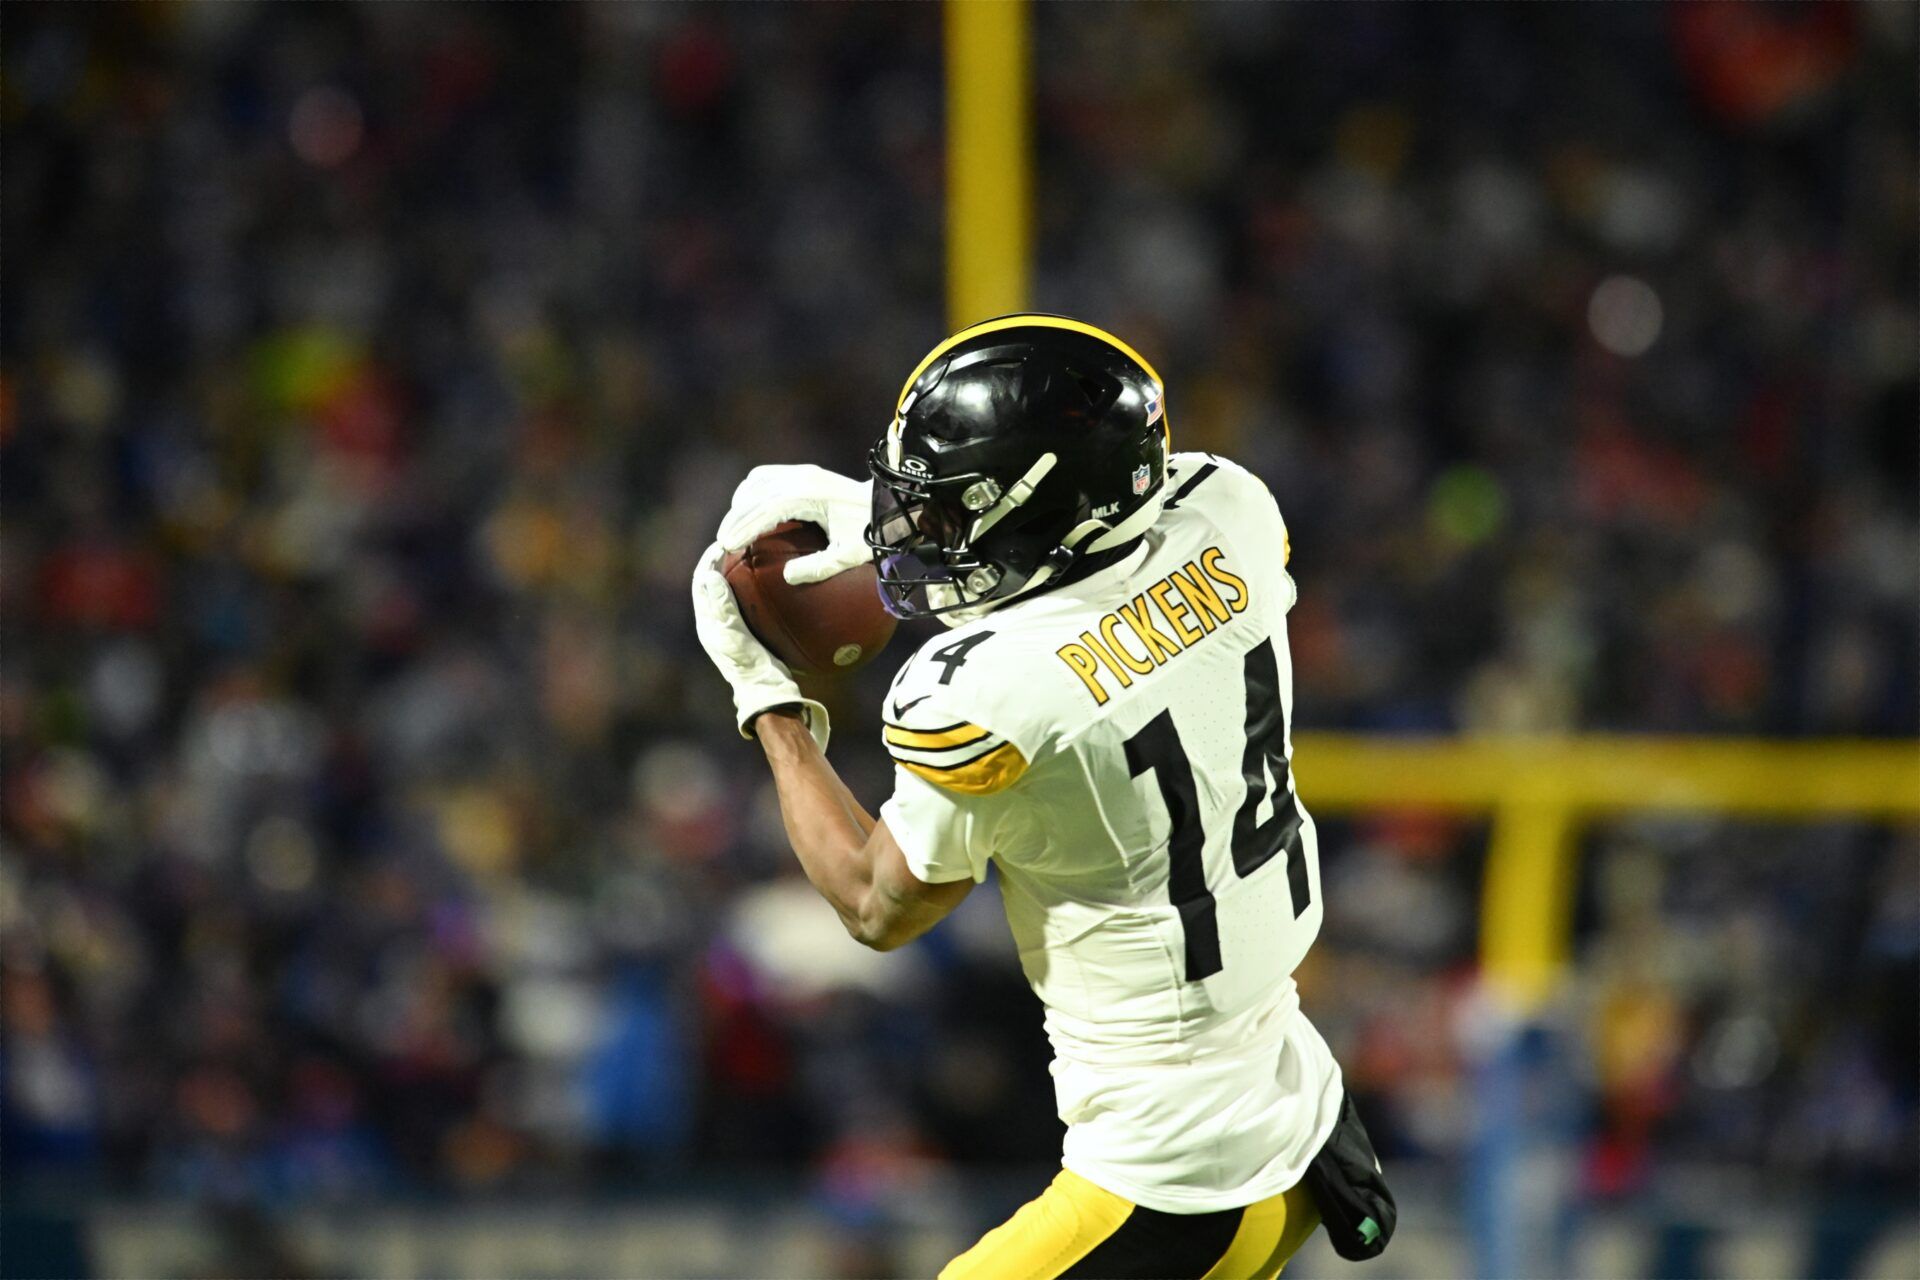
(989, 158)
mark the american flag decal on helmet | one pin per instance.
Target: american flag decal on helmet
(1153, 406)
(1142, 477)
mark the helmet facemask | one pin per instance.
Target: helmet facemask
(923, 540)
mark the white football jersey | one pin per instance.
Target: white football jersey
(1120, 747)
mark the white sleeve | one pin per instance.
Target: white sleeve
(945, 836)
(960, 744)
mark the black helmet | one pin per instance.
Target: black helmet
(1020, 446)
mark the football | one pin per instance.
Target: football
(819, 628)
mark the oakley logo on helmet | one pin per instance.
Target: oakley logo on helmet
(915, 467)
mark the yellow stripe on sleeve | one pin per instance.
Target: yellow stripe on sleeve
(959, 735)
(995, 771)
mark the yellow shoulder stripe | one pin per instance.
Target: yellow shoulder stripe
(955, 735)
(1023, 321)
(995, 771)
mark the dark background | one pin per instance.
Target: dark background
(371, 823)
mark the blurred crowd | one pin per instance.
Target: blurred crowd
(373, 374)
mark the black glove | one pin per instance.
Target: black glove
(1356, 1207)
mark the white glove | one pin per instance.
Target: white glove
(759, 680)
(775, 494)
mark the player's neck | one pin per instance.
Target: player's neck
(1086, 566)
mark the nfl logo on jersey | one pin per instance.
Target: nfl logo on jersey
(1142, 477)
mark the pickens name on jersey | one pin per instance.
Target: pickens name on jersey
(1192, 617)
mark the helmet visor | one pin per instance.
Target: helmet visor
(918, 537)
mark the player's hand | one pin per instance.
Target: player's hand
(759, 680)
(772, 495)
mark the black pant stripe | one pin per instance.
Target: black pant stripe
(1151, 1245)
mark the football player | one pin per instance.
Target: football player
(1106, 720)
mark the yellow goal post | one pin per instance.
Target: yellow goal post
(989, 161)
(1539, 791)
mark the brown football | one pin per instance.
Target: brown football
(819, 628)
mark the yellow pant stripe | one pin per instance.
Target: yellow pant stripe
(1072, 1217)
(1270, 1232)
(1046, 1236)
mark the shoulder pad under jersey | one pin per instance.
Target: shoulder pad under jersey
(974, 708)
(1232, 495)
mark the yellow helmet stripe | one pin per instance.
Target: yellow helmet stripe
(1025, 320)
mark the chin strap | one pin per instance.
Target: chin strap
(1086, 538)
(1097, 535)
(1012, 499)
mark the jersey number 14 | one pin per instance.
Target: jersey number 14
(1157, 747)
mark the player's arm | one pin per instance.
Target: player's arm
(852, 859)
